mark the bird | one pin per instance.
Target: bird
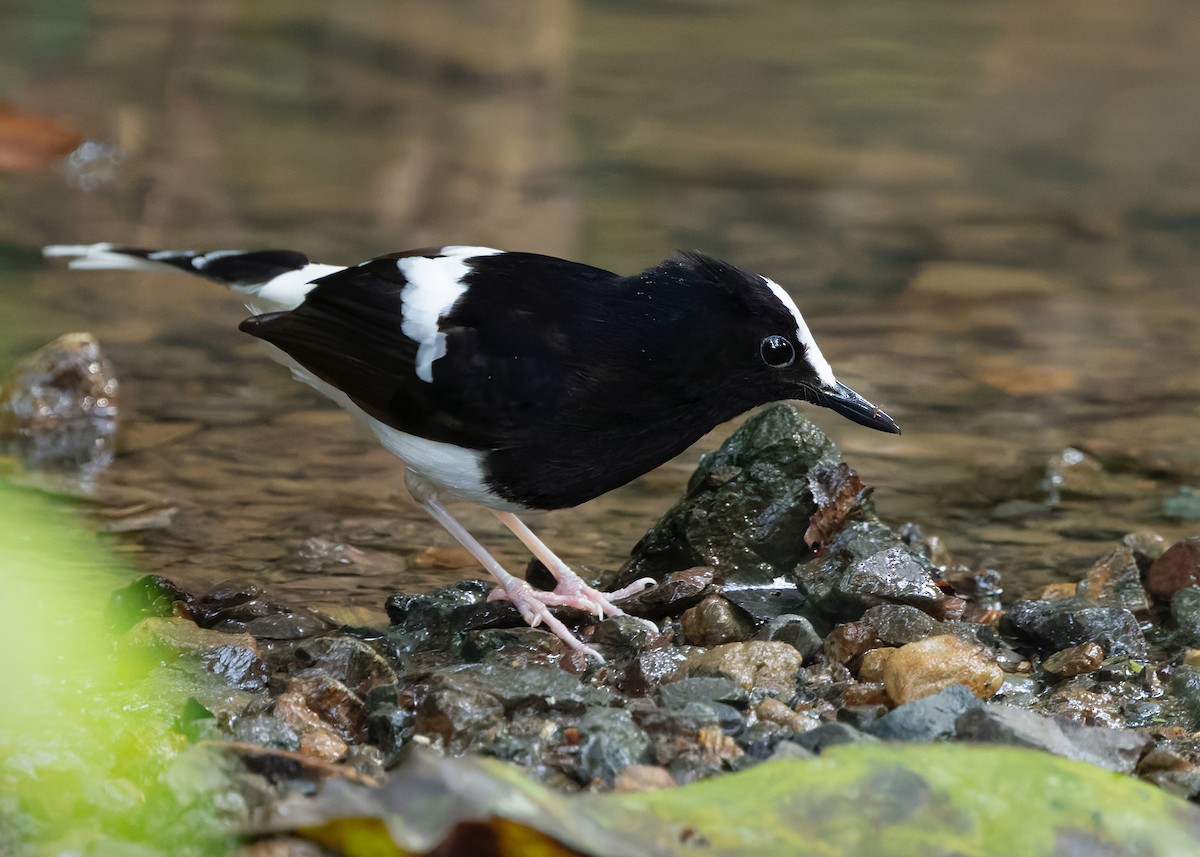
(520, 381)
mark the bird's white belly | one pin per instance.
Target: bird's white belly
(455, 470)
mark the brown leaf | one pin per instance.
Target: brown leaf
(29, 143)
(838, 493)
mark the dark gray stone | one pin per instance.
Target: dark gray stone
(830, 735)
(534, 687)
(1185, 608)
(1059, 624)
(1114, 749)
(266, 730)
(929, 719)
(897, 624)
(797, 631)
(865, 565)
(676, 694)
(747, 506)
(610, 742)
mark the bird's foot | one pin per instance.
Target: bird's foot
(534, 605)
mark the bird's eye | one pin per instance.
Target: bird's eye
(777, 351)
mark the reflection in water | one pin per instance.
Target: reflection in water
(989, 215)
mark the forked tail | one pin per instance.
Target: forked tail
(228, 267)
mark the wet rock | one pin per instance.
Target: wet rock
(534, 688)
(1178, 568)
(928, 666)
(771, 668)
(622, 637)
(867, 565)
(1185, 609)
(317, 738)
(763, 602)
(651, 668)
(610, 743)
(677, 694)
(897, 624)
(333, 702)
(850, 641)
(797, 631)
(463, 718)
(870, 668)
(147, 596)
(1146, 545)
(1075, 702)
(348, 659)
(1115, 749)
(266, 731)
(1075, 473)
(867, 696)
(1060, 624)
(237, 606)
(423, 620)
(1185, 693)
(830, 735)
(389, 726)
(58, 408)
(1183, 504)
(1170, 771)
(514, 646)
(1116, 581)
(715, 621)
(233, 657)
(772, 710)
(1077, 660)
(930, 718)
(674, 593)
(747, 505)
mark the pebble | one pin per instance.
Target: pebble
(769, 667)
(925, 667)
(1077, 660)
(795, 630)
(870, 668)
(930, 718)
(715, 621)
(849, 641)
(1176, 569)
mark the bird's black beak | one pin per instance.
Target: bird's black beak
(841, 399)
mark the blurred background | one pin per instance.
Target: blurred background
(989, 214)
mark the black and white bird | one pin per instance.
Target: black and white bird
(519, 381)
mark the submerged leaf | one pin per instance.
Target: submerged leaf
(883, 800)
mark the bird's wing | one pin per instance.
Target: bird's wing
(502, 359)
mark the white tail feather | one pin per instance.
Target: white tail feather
(99, 257)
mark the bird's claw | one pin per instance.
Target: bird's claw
(534, 605)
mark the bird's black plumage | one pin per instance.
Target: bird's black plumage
(573, 379)
(518, 380)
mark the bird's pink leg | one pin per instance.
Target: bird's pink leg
(532, 604)
(571, 589)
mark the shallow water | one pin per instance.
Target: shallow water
(989, 213)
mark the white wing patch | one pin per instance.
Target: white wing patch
(803, 335)
(434, 286)
(286, 291)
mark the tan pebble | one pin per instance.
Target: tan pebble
(773, 711)
(323, 744)
(291, 708)
(1077, 660)
(643, 778)
(1054, 592)
(716, 746)
(871, 667)
(1191, 657)
(766, 665)
(865, 693)
(920, 669)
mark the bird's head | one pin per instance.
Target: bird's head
(766, 347)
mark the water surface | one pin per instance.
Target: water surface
(989, 213)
